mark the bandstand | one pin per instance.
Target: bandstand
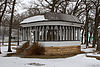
(52, 29)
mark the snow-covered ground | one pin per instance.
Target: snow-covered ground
(76, 61)
(93, 55)
(87, 50)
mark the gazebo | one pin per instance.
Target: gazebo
(52, 30)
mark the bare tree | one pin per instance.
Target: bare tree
(5, 21)
(10, 26)
(58, 6)
(95, 34)
(97, 4)
(2, 13)
(3, 10)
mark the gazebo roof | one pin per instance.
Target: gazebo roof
(60, 16)
(34, 19)
(51, 16)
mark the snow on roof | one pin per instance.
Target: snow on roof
(34, 19)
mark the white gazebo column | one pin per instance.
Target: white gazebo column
(48, 28)
(70, 33)
(56, 28)
(52, 33)
(25, 36)
(74, 33)
(78, 33)
(66, 33)
(57, 33)
(36, 33)
(60, 33)
(63, 33)
(22, 34)
(42, 33)
(46, 31)
(30, 36)
(27, 33)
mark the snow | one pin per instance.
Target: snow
(87, 50)
(99, 27)
(34, 19)
(93, 54)
(75, 61)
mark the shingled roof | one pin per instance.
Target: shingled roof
(52, 16)
(60, 16)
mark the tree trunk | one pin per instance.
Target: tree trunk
(18, 36)
(98, 46)
(95, 35)
(85, 38)
(90, 37)
(76, 7)
(10, 27)
(82, 37)
(97, 24)
(94, 39)
(0, 48)
(87, 21)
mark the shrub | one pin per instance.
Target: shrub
(38, 49)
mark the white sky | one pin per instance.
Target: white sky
(22, 5)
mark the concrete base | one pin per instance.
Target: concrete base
(61, 47)
(59, 43)
(53, 48)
